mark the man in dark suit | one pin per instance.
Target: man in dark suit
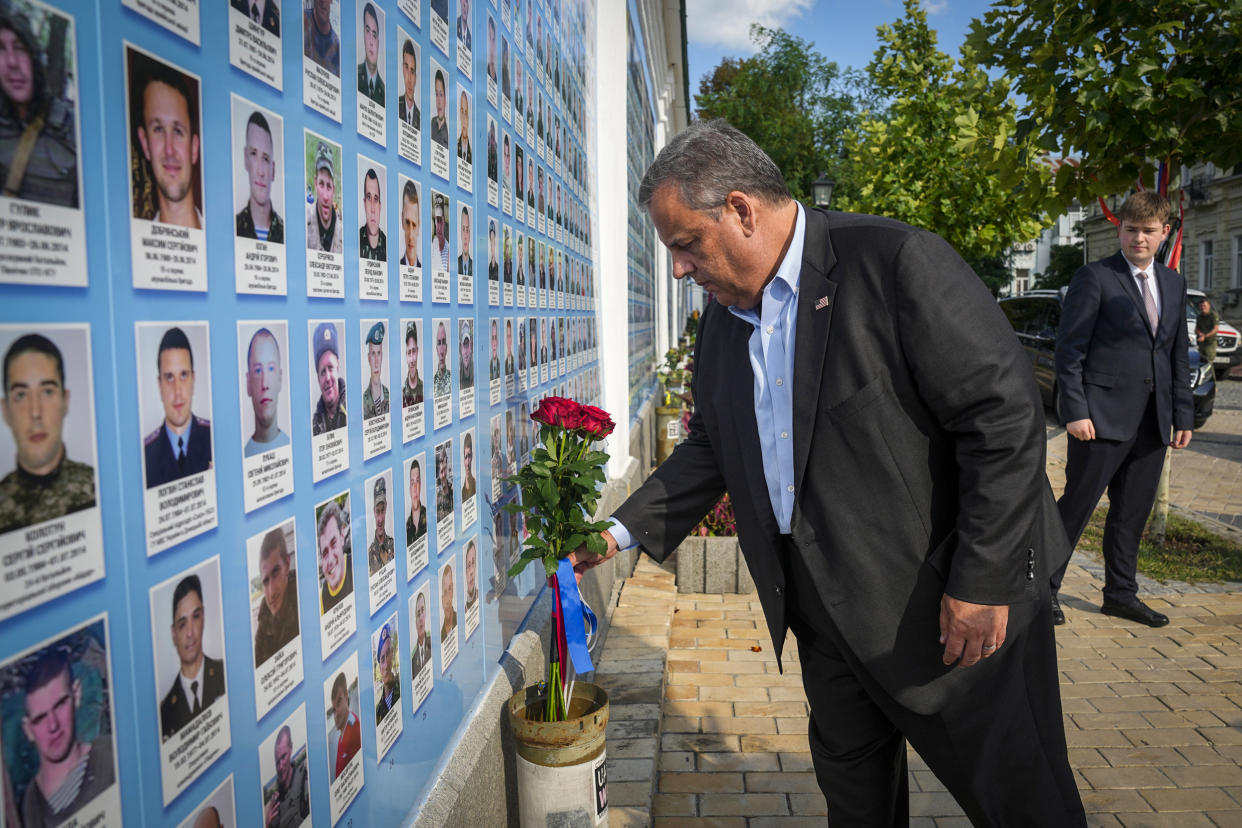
(864, 403)
(1122, 369)
(407, 104)
(265, 13)
(181, 446)
(200, 679)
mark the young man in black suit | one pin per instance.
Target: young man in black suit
(1121, 363)
(868, 409)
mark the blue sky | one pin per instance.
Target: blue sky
(841, 30)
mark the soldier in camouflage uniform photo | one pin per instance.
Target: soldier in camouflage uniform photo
(380, 552)
(38, 131)
(46, 484)
(375, 397)
(329, 412)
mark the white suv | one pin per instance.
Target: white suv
(1226, 337)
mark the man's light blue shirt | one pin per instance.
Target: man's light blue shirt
(184, 436)
(771, 347)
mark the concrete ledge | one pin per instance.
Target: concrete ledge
(712, 566)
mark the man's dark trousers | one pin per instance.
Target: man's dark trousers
(858, 733)
(1130, 470)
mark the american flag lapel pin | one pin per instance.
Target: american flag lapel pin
(822, 302)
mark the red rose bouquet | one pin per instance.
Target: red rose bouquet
(560, 489)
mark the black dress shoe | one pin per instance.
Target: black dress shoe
(1135, 610)
(1058, 615)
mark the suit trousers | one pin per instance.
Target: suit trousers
(1130, 471)
(999, 749)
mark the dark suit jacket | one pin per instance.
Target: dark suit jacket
(918, 453)
(175, 708)
(402, 111)
(162, 465)
(1108, 360)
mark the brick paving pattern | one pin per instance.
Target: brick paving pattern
(711, 734)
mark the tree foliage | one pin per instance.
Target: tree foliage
(944, 156)
(792, 101)
(1063, 262)
(1121, 84)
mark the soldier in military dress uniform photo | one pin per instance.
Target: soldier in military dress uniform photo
(181, 445)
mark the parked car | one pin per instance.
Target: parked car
(1227, 336)
(1036, 318)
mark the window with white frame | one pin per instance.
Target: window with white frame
(1204, 280)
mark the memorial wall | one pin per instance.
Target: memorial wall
(280, 283)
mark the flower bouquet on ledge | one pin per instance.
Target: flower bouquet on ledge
(560, 489)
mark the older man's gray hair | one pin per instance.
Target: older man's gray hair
(707, 161)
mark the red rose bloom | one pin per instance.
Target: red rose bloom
(596, 422)
(554, 411)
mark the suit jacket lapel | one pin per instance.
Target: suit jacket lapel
(816, 294)
(1172, 309)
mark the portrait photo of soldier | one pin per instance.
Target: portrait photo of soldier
(276, 621)
(448, 603)
(416, 517)
(493, 266)
(375, 395)
(199, 680)
(388, 671)
(380, 549)
(57, 706)
(320, 42)
(465, 149)
(344, 729)
(265, 381)
(463, 24)
(286, 792)
(410, 224)
(181, 444)
(336, 571)
(408, 111)
(412, 382)
(444, 480)
(493, 364)
(439, 231)
(324, 228)
(329, 411)
(261, 148)
(371, 47)
(166, 175)
(468, 484)
(420, 648)
(442, 379)
(38, 109)
(465, 342)
(509, 344)
(439, 121)
(265, 13)
(472, 573)
(44, 482)
(372, 241)
(465, 261)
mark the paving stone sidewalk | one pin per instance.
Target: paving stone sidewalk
(707, 732)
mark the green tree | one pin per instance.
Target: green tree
(1063, 262)
(1120, 84)
(944, 155)
(792, 101)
